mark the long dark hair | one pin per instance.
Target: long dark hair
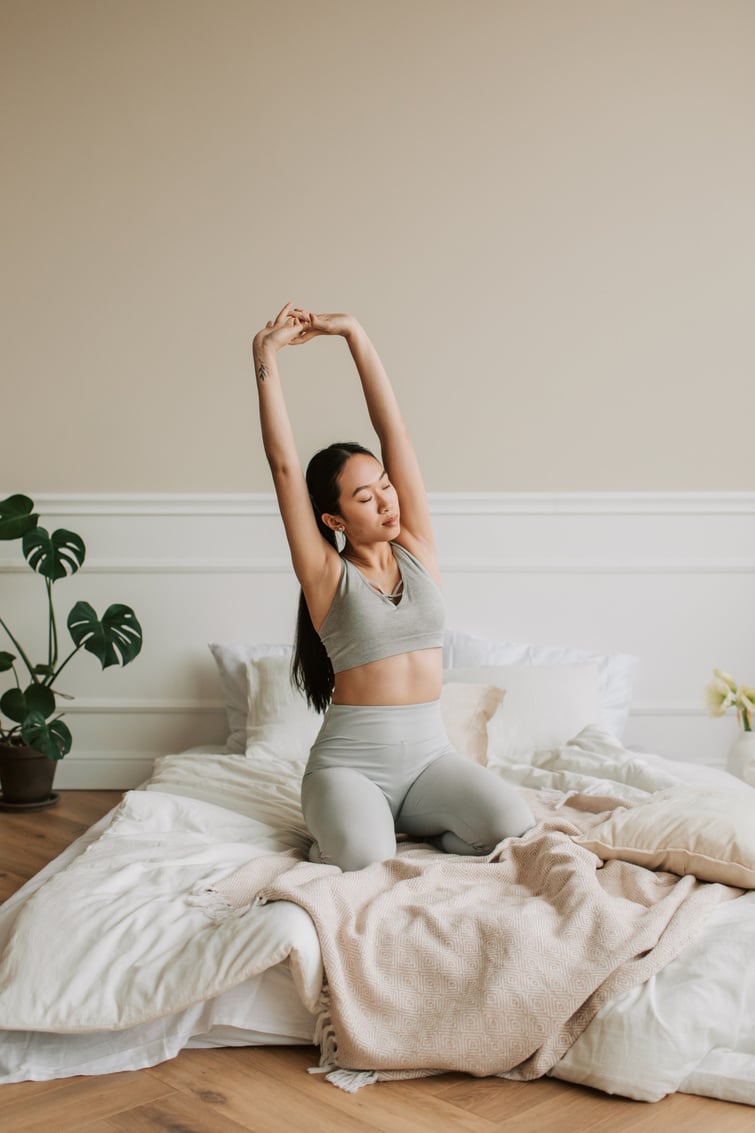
(311, 669)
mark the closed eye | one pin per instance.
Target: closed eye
(384, 486)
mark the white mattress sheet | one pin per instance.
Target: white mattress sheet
(657, 1039)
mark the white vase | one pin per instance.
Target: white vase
(741, 760)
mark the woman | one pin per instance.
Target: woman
(370, 629)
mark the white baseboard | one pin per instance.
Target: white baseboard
(111, 771)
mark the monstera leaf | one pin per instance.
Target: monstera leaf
(18, 705)
(115, 640)
(54, 556)
(16, 517)
(53, 740)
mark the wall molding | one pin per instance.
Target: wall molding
(441, 503)
(125, 706)
(448, 566)
(475, 506)
(175, 706)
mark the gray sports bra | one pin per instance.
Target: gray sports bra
(364, 625)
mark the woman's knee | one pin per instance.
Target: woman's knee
(472, 803)
(353, 846)
(506, 814)
(351, 850)
(489, 826)
(349, 818)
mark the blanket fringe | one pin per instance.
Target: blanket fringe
(325, 1038)
(352, 1080)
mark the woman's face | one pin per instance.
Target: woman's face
(369, 509)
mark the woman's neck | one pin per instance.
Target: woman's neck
(377, 558)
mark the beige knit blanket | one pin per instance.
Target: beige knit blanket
(492, 966)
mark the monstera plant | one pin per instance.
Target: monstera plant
(30, 723)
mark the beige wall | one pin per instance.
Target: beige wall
(542, 210)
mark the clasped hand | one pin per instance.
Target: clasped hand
(293, 326)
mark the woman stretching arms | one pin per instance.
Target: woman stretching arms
(370, 629)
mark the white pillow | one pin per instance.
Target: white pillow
(279, 721)
(461, 650)
(231, 662)
(544, 707)
(708, 833)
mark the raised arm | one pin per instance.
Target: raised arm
(397, 450)
(314, 560)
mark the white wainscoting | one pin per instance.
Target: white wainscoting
(666, 576)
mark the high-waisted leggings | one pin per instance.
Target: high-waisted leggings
(374, 772)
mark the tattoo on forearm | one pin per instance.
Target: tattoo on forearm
(261, 372)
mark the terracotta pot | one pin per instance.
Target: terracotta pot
(26, 776)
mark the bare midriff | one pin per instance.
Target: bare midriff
(409, 678)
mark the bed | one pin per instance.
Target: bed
(188, 916)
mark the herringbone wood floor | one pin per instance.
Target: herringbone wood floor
(267, 1089)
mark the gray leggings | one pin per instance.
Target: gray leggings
(377, 771)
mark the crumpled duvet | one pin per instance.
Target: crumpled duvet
(114, 940)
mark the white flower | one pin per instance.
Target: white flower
(726, 678)
(722, 693)
(719, 696)
(746, 698)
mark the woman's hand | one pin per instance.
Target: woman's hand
(286, 328)
(313, 325)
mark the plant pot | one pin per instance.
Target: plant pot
(741, 760)
(26, 778)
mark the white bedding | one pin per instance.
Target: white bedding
(126, 891)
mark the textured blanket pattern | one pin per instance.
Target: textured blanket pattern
(490, 966)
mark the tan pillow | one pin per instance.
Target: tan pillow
(545, 705)
(709, 834)
(466, 709)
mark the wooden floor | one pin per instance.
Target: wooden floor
(267, 1089)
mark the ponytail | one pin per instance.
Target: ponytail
(311, 667)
